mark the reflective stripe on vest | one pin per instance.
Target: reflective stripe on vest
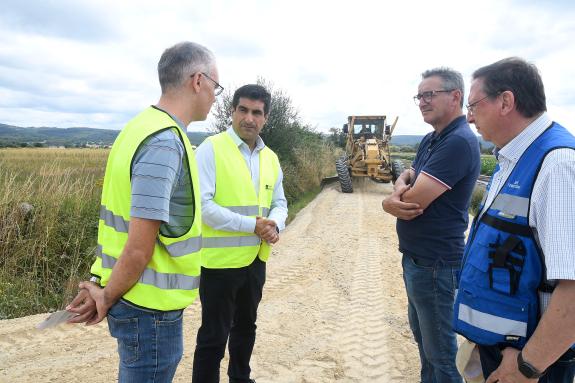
(152, 277)
(114, 221)
(178, 249)
(240, 241)
(235, 191)
(492, 323)
(249, 210)
(511, 205)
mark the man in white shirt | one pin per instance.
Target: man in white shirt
(527, 218)
(243, 209)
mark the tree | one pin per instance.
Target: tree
(304, 154)
(283, 130)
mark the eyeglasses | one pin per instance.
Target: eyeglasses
(218, 89)
(471, 107)
(427, 96)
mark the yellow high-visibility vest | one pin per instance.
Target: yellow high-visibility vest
(235, 191)
(171, 278)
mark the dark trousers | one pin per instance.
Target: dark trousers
(230, 299)
(562, 371)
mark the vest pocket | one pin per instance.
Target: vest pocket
(506, 264)
(496, 266)
(490, 318)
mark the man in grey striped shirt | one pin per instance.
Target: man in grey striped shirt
(508, 107)
(161, 201)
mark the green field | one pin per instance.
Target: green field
(488, 161)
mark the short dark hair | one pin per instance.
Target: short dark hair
(253, 92)
(518, 76)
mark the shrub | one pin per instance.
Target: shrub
(488, 164)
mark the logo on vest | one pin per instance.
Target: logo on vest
(514, 185)
(512, 338)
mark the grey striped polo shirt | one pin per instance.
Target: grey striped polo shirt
(161, 184)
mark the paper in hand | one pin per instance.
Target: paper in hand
(55, 319)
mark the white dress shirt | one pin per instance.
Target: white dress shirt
(552, 206)
(221, 218)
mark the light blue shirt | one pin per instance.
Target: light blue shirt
(221, 218)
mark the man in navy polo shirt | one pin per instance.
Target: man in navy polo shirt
(430, 201)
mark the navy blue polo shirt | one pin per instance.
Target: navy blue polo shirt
(453, 159)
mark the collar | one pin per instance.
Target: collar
(515, 148)
(239, 142)
(448, 129)
(176, 119)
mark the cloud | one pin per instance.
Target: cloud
(93, 63)
(64, 18)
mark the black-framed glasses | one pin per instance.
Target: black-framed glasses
(218, 89)
(471, 107)
(428, 95)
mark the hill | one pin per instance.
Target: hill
(70, 137)
(406, 140)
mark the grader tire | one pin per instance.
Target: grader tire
(396, 169)
(343, 175)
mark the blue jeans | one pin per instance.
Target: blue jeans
(150, 343)
(430, 290)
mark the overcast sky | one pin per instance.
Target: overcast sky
(92, 63)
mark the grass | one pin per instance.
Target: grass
(49, 206)
(49, 200)
(488, 163)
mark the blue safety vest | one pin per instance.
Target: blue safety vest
(503, 266)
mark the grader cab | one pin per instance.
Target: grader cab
(367, 152)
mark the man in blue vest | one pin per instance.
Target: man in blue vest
(430, 201)
(516, 296)
(244, 209)
(149, 238)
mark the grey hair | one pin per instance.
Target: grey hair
(182, 60)
(451, 79)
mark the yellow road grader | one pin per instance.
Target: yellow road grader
(367, 152)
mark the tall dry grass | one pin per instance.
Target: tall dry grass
(49, 202)
(46, 251)
(309, 165)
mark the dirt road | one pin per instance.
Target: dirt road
(334, 309)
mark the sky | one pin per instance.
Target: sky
(93, 63)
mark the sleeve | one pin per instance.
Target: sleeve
(214, 215)
(154, 176)
(553, 209)
(279, 209)
(450, 161)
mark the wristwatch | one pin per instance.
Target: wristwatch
(95, 279)
(527, 369)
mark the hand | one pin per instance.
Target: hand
(402, 210)
(507, 372)
(266, 230)
(102, 303)
(83, 305)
